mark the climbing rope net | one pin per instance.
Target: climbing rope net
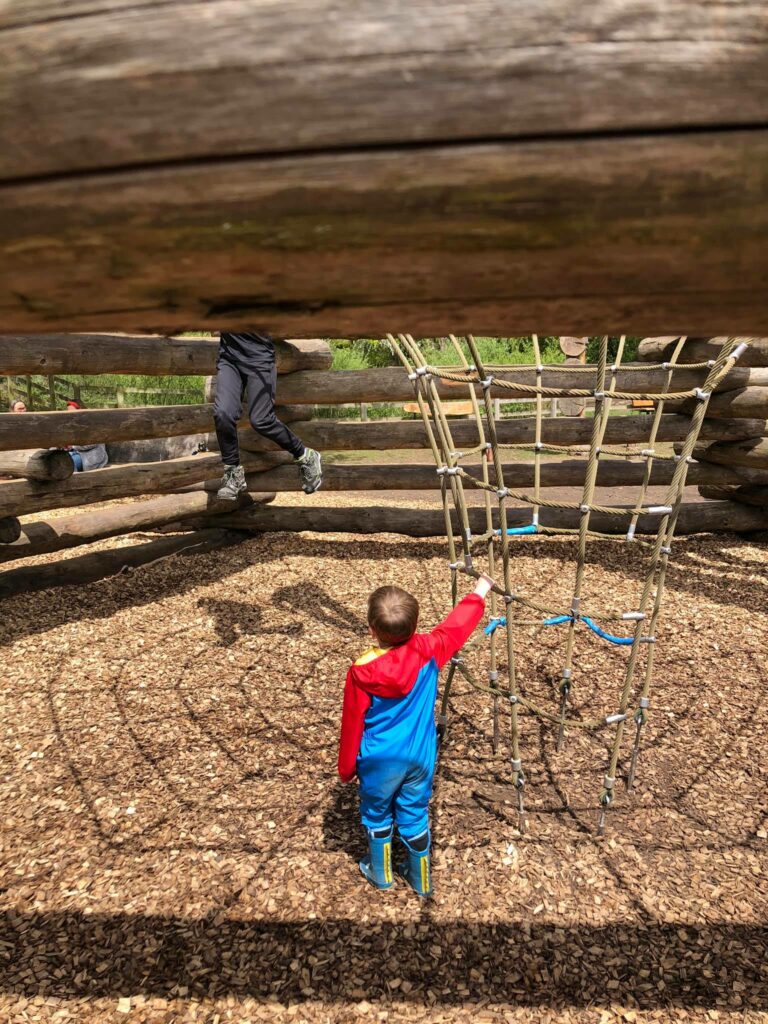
(511, 610)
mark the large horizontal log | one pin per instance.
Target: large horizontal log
(748, 494)
(391, 384)
(42, 537)
(154, 355)
(748, 402)
(429, 239)
(317, 74)
(568, 473)
(98, 565)
(698, 517)
(37, 464)
(386, 435)
(752, 454)
(21, 497)
(697, 350)
(95, 426)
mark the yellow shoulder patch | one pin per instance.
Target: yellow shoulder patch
(371, 654)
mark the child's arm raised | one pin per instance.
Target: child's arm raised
(451, 635)
(356, 703)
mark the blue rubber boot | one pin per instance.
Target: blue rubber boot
(377, 866)
(416, 870)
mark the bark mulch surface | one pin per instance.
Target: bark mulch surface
(176, 847)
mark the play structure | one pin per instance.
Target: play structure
(495, 542)
(730, 462)
(707, 427)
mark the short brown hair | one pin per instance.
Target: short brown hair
(393, 615)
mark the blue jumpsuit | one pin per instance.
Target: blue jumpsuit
(388, 735)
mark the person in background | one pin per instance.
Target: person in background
(246, 366)
(18, 405)
(86, 456)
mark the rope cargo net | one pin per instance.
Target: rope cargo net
(512, 611)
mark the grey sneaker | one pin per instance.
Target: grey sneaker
(233, 484)
(310, 471)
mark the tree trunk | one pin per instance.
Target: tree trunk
(154, 355)
(37, 464)
(745, 402)
(568, 473)
(752, 454)
(71, 531)
(749, 495)
(698, 350)
(391, 384)
(100, 564)
(704, 516)
(385, 435)
(21, 497)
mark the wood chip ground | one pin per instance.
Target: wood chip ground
(176, 847)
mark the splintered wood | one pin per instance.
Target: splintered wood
(176, 847)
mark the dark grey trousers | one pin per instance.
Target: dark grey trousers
(259, 388)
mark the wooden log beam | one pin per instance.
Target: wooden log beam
(697, 350)
(155, 355)
(391, 384)
(413, 71)
(45, 536)
(94, 426)
(99, 565)
(751, 402)
(695, 517)
(385, 435)
(751, 454)
(34, 464)
(429, 239)
(747, 494)
(21, 497)
(568, 473)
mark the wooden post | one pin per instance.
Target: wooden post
(364, 412)
(30, 402)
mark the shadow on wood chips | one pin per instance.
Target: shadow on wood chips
(176, 843)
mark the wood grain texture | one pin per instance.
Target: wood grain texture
(330, 435)
(155, 355)
(695, 350)
(90, 85)
(21, 497)
(752, 454)
(749, 402)
(635, 234)
(748, 494)
(37, 464)
(58, 534)
(97, 565)
(568, 473)
(695, 517)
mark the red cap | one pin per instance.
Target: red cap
(72, 404)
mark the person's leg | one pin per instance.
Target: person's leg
(226, 414)
(412, 817)
(377, 786)
(226, 411)
(77, 459)
(262, 386)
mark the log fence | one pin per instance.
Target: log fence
(730, 469)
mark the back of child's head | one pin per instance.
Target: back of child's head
(393, 615)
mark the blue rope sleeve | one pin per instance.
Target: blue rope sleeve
(625, 641)
(558, 620)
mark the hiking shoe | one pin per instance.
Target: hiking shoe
(310, 470)
(233, 484)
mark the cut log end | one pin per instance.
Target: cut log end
(10, 529)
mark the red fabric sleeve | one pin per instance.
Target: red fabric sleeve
(451, 635)
(356, 704)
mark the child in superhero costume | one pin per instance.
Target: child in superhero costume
(388, 736)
